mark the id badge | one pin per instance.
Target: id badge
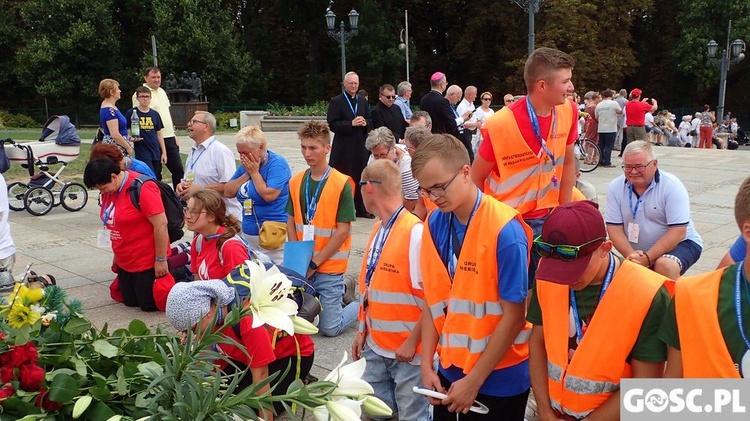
(102, 239)
(308, 233)
(633, 231)
(189, 177)
(247, 207)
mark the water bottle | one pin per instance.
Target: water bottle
(135, 124)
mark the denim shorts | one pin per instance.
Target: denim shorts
(685, 254)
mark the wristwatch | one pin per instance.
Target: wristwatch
(313, 265)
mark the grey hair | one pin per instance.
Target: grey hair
(416, 115)
(402, 88)
(251, 136)
(640, 146)
(380, 136)
(209, 119)
(416, 135)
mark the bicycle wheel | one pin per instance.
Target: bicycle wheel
(16, 191)
(39, 201)
(590, 156)
(73, 197)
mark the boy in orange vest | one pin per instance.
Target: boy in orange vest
(595, 318)
(474, 263)
(321, 209)
(526, 159)
(390, 295)
(707, 328)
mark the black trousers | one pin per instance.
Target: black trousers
(509, 408)
(137, 288)
(174, 161)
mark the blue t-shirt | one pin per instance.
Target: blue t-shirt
(738, 251)
(147, 149)
(512, 248)
(106, 114)
(276, 173)
(141, 168)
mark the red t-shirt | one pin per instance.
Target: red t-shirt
(635, 112)
(258, 344)
(521, 115)
(130, 231)
(207, 265)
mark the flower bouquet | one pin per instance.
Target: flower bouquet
(54, 365)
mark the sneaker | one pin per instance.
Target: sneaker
(350, 290)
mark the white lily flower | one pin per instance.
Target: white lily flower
(348, 379)
(270, 303)
(303, 327)
(340, 409)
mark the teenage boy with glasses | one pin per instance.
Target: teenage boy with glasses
(648, 215)
(474, 295)
(582, 291)
(149, 145)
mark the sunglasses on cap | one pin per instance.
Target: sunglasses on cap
(563, 252)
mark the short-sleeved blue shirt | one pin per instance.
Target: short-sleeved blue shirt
(512, 268)
(738, 251)
(276, 173)
(141, 168)
(112, 113)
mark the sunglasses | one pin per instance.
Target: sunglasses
(364, 182)
(486, 99)
(389, 96)
(563, 252)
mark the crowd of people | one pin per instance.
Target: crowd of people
(485, 274)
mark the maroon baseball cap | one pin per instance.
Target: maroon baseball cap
(571, 224)
(635, 92)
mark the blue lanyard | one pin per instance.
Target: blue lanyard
(452, 257)
(605, 285)
(356, 104)
(377, 245)
(455, 112)
(192, 162)
(538, 134)
(738, 300)
(311, 203)
(111, 205)
(637, 202)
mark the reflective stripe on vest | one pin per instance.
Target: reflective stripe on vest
(702, 345)
(324, 220)
(466, 311)
(390, 307)
(584, 383)
(556, 405)
(521, 178)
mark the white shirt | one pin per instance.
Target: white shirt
(465, 106)
(606, 113)
(212, 162)
(7, 246)
(649, 119)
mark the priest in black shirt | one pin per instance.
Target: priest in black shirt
(385, 114)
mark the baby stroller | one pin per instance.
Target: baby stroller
(59, 144)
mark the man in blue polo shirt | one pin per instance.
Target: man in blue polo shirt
(648, 215)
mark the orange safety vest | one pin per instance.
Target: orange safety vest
(577, 195)
(520, 178)
(393, 307)
(324, 220)
(579, 386)
(704, 352)
(466, 311)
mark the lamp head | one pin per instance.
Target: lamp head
(330, 20)
(712, 47)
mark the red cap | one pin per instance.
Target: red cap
(437, 76)
(635, 93)
(571, 224)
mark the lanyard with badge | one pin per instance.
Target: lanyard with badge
(356, 104)
(311, 205)
(453, 238)
(376, 250)
(538, 134)
(739, 278)
(190, 176)
(248, 203)
(103, 239)
(633, 227)
(580, 330)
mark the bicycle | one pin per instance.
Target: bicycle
(588, 153)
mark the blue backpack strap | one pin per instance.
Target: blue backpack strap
(236, 237)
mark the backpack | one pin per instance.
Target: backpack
(172, 205)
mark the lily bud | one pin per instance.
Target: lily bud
(377, 407)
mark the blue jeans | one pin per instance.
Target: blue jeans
(606, 144)
(393, 382)
(330, 288)
(536, 228)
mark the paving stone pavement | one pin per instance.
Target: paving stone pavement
(64, 243)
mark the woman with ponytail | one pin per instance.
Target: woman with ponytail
(216, 248)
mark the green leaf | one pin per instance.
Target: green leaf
(105, 348)
(63, 389)
(77, 326)
(122, 385)
(100, 411)
(138, 328)
(100, 392)
(81, 368)
(150, 369)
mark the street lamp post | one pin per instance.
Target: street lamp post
(404, 42)
(733, 54)
(342, 36)
(531, 7)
